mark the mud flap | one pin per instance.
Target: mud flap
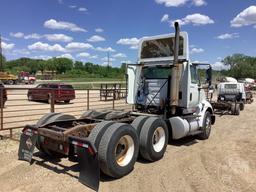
(27, 145)
(89, 168)
(88, 161)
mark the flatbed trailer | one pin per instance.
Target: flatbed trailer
(232, 107)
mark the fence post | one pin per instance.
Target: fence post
(114, 97)
(88, 100)
(52, 98)
(2, 106)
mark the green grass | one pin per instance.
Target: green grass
(90, 79)
(91, 86)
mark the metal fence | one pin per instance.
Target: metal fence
(19, 111)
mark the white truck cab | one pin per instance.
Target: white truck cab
(152, 82)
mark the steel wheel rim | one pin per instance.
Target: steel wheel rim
(158, 139)
(208, 125)
(124, 150)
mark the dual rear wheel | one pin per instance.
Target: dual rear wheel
(119, 144)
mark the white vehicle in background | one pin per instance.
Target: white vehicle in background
(231, 97)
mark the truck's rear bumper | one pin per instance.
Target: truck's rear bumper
(86, 153)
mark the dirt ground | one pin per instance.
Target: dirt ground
(224, 162)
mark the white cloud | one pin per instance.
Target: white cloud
(49, 37)
(132, 42)
(105, 63)
(127, 41)
(195, 19)
(21, 51)
(66, 55)
(82, 9)
(96, 38)
(119, 55)
(245, 18)
(99, 30)
(58, 37)
(199, 3)
(219, 58)
(6, 46)
(106, 49)
(171, 3)
(228, 36)
(33, 36)
(5, 39)
(108, 59)
(165, 18)
(196, 50)
(53, 24)
(78, 45)
(39, 46)
(44, 57)
(177, 3)
(84, 54)
(126, 61)
(218, 66)
(72, 6)
(94, 57)
(17, 35)
(134, 47)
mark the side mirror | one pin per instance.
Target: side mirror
(209, 76)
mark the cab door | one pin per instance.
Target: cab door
(133, 75)
(194, 97)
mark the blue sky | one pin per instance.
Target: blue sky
(87, 30)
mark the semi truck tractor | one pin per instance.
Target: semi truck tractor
(169, 103)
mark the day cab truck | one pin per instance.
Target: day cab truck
(169, 104)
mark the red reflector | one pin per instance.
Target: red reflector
(90, 150)
(65, 149)
(45, 141)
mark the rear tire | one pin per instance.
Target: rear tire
(10, 82)
(67, 101)
(235, 109)
(241, 106)
(50, 118)
(30, 98)
(98, 131)
(138, 123)
(118, 150)
(153, 139)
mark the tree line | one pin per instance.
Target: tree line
(64, 67)
(241, 66)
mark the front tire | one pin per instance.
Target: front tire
(153, 139)
(118, 150)
(30, 98)
(206, 129)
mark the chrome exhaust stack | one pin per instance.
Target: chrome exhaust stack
(176, 72)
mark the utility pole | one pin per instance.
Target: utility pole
(1, 56)
(108, 59)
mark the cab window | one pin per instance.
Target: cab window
(194, 74)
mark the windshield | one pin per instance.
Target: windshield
(230, 86)
(66, 87)
(160, 48)
(156, 72)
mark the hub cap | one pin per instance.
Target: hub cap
(158, 139)
(124, 150)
